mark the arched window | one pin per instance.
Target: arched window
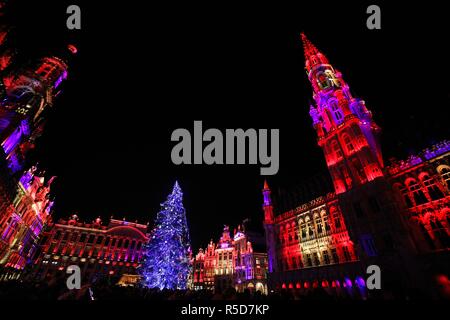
(336, 150)
(326, 257)
(326, 224)
(433, 190)
(337, 112)
(336, 218)
(416, 191)
(287, 234)
(310, 228)
(405, 194)
(348, 142)
(319, 224)
(316, 259)
(293, 231)
(346, 252)
(302, 228)
(308, 260)
(445, 175)
(359, 169)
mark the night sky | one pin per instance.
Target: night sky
(143, 71)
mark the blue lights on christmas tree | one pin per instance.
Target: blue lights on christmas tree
(167, 256)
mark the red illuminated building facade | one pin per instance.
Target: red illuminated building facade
(377, 215)
(99, 250)
(238, 262)
(27, 92)
(22, 221)
(422, 183)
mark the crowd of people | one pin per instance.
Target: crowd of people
(104, 290)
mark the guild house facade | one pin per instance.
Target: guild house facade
(394, 216)
(237, 261)
(111, 250)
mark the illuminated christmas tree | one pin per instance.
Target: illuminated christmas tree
(167, 256)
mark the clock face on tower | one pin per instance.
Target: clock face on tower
(323, 81)
(326, 79)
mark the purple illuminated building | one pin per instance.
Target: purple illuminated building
(238, 261)
(26, 93)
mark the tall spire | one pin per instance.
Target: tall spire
(308, 48)
(313, 56)
(267, 203)
(266, 193)
(345, 129)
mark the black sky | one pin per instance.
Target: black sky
(144, 70)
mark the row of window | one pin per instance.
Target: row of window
(423, 191)
(334, 149)
(225, 256)
(97, 239)
(310, 228)
(314, 259)
(88, 251)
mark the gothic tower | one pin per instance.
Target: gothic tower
(267, 204)
(28, 93)
(269, 220)
(345, 129)
(348, 137)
